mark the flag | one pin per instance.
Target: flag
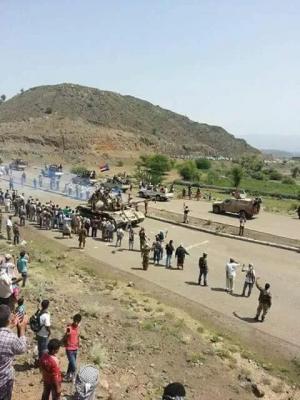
(104, 167)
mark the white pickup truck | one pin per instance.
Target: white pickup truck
(153, 193)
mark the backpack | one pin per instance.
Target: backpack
(35, 322)
(265, 298)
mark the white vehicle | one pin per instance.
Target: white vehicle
(157, 193)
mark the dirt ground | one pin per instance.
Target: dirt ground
(139, 343)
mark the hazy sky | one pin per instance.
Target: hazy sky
(229, 63)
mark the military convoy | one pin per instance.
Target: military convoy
(245, 207)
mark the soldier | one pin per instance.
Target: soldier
(298, 212)
(190, 192)
(198, 194)
(242, 224)
(264, 301)
(146, 207)
(183, 193)
(203, 267)
(142, 235)
(82, 237)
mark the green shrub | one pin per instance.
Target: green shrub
(275, 175)
(79, 170)
(288, 180)
(189, 171)
(258, 175)
(203, 163)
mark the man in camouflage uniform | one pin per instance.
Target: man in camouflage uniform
(264, 301)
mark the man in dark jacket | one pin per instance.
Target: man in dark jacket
(169, 252)
(180, 254)
(203, 267)
(264, 300)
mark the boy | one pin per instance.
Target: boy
(22, 265)
(51, 372)
(71, 342)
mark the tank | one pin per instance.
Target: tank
(103, 204)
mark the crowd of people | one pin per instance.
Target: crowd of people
(14, 276)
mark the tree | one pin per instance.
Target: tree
(3, 98)
(295, 171)
(189, 171)
(203, 163)
(22, 91)
(236, 174)
(251, 163)
(152, 168)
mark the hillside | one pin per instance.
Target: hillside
(78, 122)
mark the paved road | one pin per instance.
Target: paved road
(281, 268)
(274, 224)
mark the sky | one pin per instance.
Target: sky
(232, 63)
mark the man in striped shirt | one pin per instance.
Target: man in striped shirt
(10, 346)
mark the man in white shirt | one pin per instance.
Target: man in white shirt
(9, 225)
(231, 268)
(44, 332)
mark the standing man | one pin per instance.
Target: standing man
(203, 267)
(180, 254)
(10, 346)
(298, 212)
(130, 238)
(169, 252)
(22, 266)
(16, 232)
(11, 183)
(120, 235)
(9, 226)
(44, 331)
(142, 235)
(249, 280)
(190, 192)
(146, 202)
(242, 224)
(94, 223)
(264, 301)
(186, 212)
(231, 268)
(71, 342)
(82, 234)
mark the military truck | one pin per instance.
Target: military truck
(246, 207)
(109, 206)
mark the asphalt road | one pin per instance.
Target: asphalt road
(279, 267)
(274, 224)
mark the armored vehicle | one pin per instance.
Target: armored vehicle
(159, 194)
(246, 207)
(51, 171)
(18, 164)
(103, 204)
(117, 183)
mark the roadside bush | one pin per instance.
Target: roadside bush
(275, 175)
(288, 180)
(258, 175)
(202, 163)
(212, 177)
(48, 110)
(188, 171)
(79, 170)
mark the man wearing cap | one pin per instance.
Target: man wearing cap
(203, 267)
(174, 391)
(10, 345)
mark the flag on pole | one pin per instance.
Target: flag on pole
(104, 167)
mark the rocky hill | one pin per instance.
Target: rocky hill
(75, 122)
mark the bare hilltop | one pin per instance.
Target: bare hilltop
(76, 122)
